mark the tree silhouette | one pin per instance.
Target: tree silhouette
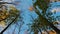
(42, 21)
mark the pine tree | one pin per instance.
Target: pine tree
(42, 22)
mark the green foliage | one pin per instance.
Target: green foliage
(42, 4)
(12, 13)
(42, 23)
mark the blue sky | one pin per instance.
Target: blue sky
(24, 6)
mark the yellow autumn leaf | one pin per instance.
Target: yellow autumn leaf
(7, 13)
(12, 8)
(52, 32)
(3, 17)
(2, 23)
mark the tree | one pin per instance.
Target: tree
(8, 17)
(43, 21)
(13, 13)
